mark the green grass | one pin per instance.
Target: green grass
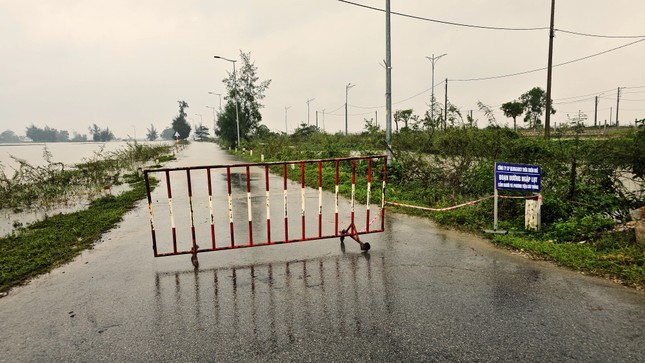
(44, 245)
(611, 255)
(622, 263)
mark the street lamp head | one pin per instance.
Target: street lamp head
(226, 59)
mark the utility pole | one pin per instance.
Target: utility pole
(433, 59)
(316, 118)
(595, 113)
(445, 108)
(388, 84)
(323, 119)
(349, 85)
(547, 118)
(286, 130)
(617, 103)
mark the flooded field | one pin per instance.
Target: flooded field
(67, 153)
(55, 199)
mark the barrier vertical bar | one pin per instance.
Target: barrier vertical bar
(302, 196)
(336, 202)
(268, 202)
(210, 207)
(353, 190)
(230, 205)
(319, 199)
(192, 212)
(172, 216)
(248, 204)
(369, 187)
(383, 194)
(152, 221)
(286, 220)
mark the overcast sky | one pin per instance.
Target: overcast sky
(125, 64)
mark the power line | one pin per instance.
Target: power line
(544, 68)
(444, 21)
(599, 35)
(486, 27)
(599, 93)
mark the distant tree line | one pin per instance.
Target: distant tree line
(50, 134)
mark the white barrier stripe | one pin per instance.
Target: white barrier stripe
(268, 200)
(319, 200)
(248, 203)
(230, 208)
(336, 199)
(285, 204)
(172, 215)
(152, 220)
(210, 208)
(302, 199)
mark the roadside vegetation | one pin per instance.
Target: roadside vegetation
(589, 186)
(37, 248)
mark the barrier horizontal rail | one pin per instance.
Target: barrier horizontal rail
(193, 192)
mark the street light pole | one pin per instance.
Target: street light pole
(347, 87)
(286, 128)
(214, 118)
(237, 115)
(220, 99)
(433, 59)
(308, 101)
(323, 119)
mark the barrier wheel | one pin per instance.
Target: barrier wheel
(342, 238)
(366, 246)
(194, 260)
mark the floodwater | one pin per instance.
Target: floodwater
(421, 293)
(68, 153)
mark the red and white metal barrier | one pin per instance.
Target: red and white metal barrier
(200, 210)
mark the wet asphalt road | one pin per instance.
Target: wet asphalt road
(420, 294)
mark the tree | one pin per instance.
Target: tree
(244, 84)
(46, 135)
(99, 134)
(152, 133)
(201, 132)
(513, 109)
(179, 123)
(404, 116)
(305, 131)
(79, 137)
(263, 132)
(9, 136)
(534, 102)
(167, 134)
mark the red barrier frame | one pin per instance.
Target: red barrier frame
(351, 231)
